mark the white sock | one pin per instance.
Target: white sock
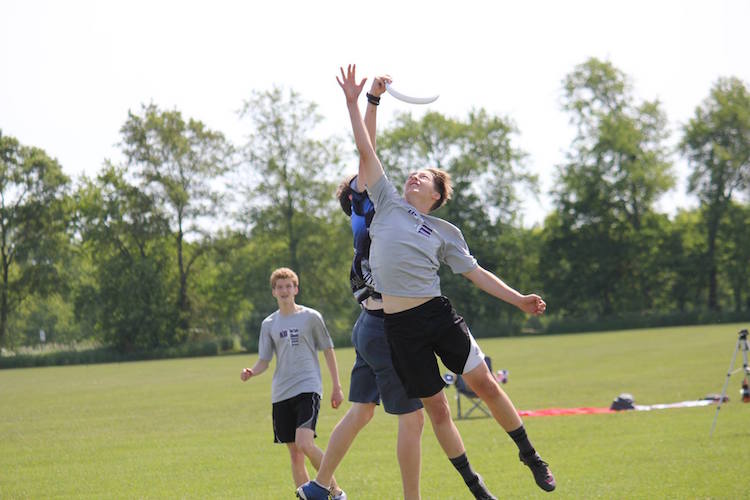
(327, 488)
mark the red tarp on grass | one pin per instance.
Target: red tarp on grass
(552, 412)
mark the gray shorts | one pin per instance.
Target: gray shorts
(373, 376)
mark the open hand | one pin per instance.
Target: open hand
(349, 85)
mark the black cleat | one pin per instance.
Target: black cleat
(542, 475)
(479, 490)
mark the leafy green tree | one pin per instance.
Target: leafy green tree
(583, 266)
(33, 223)
(51, 308)
(615, 170)
(287, 171)
(292, 217)
(716, 143)
(52, 314)
(179, 163)
(223, 305)
(488, 171)
(236, 287)
(685, 241)
(734, 253)
(125, 231)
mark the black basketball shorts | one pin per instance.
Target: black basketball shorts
(300, 411)
(418, 334)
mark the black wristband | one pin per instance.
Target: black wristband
(374, 100)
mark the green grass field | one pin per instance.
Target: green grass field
(191, 429)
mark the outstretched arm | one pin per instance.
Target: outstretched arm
(370, 169)
(377, 90)
(337, 395)
(485, 280)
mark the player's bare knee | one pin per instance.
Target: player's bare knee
(296, 454)
(305, 444)
(484, 386)
(412, 422)
(363, 414)
(308, 449)
(437, 409)
(418, 417)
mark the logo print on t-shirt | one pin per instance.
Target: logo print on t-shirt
(421, 225)
(283, 334)
(294, 336)
(425, 230)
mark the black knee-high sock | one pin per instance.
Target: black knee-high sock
(461, 463)
(522, 441)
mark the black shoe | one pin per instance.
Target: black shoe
(479, 490)
(542, 475)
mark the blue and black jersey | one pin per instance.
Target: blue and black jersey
(360, 276)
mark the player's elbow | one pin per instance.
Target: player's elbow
(475, 274)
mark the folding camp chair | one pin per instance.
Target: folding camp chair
(463, 390)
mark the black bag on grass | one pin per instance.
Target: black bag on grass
(623, 402)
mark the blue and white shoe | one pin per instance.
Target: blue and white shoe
(314, 491)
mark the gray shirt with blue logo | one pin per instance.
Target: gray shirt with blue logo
(296, 340)
(408, 247)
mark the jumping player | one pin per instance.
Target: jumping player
(408, 247)
(373, 378)
(373, 370)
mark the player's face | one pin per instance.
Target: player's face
(420, 186)
(285, 290)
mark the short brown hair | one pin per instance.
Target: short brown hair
(442, 181)
(343, 193)
(283, 273)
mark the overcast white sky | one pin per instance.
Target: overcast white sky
(71, 70)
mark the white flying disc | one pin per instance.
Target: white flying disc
(411, 100)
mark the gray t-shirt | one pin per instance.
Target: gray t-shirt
(408, 247)
(296, 340)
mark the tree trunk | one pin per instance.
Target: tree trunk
(713, 225)
(183, 307)
(4, 303)
(292, 235)
(737, 299)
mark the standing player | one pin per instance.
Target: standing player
(295, 333)
(408, 247)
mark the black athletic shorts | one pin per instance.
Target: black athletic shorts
(417, 334)
(300, 411)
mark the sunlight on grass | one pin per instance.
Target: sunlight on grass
(189, 428)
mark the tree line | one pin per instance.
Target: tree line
(176, 242)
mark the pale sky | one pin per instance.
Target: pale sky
(71, 70)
